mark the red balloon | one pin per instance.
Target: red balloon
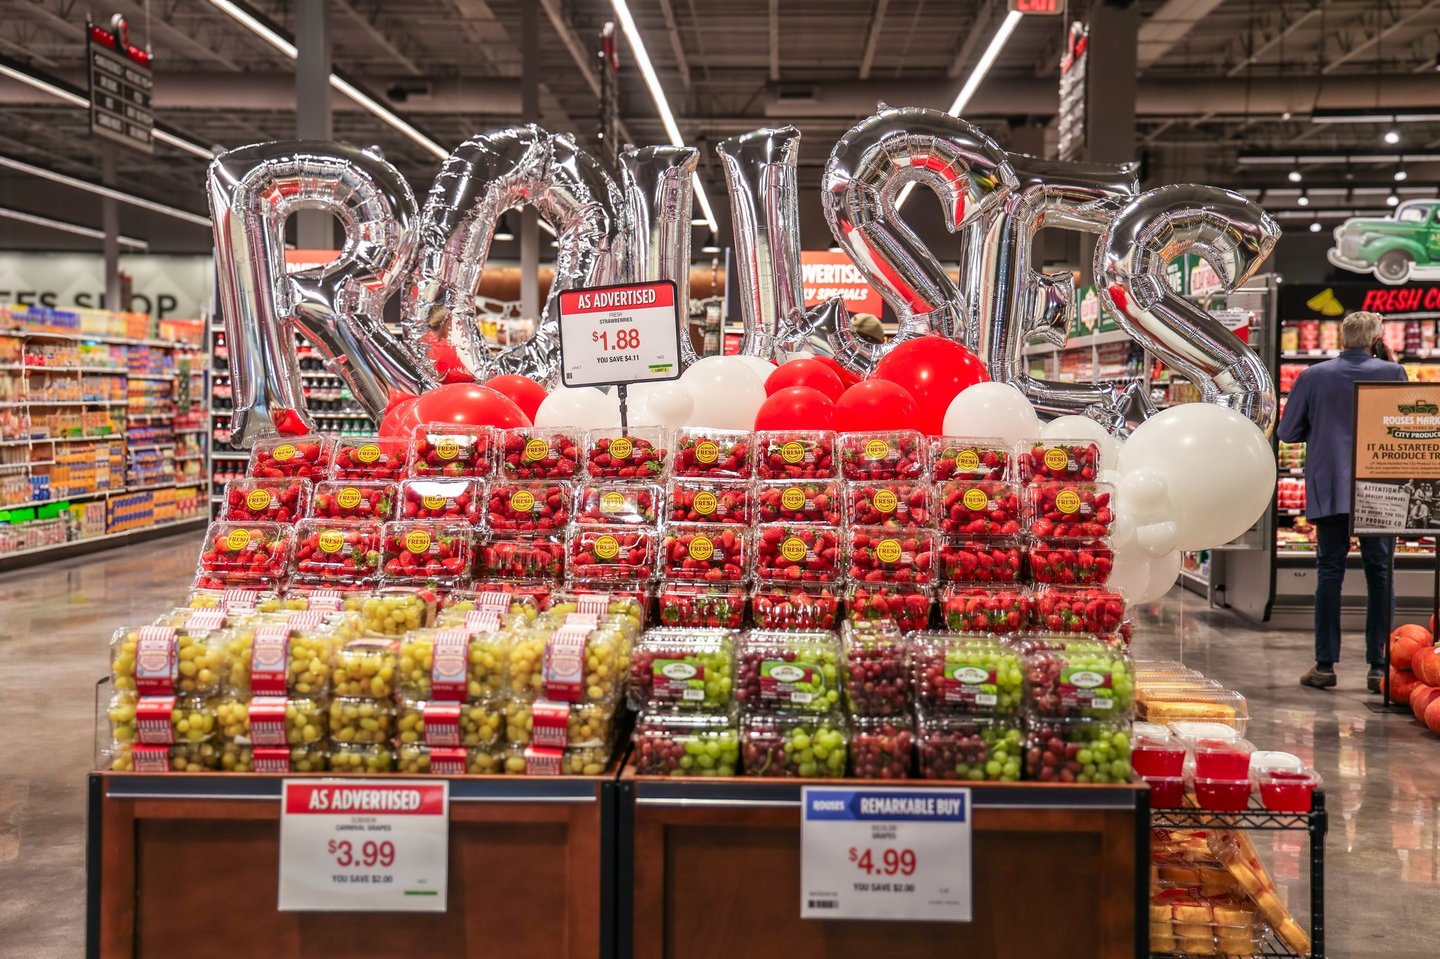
(847, 378)
(796, 408)
(811, 373)
(933, 370)
(289, 423)
(461, 404)
(399, 420)
(527, 394)
(874, 405)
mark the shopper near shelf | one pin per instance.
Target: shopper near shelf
(1321, 413)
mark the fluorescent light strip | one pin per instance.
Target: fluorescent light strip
(22, 167)
(657, 93)
(243, 17)
(977, 77)
(183, 144)
(65, 227)
(1357, 159)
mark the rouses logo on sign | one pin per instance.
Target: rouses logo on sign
(258, 499)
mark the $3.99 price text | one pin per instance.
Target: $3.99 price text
(622, 339)
(370, 854)
(891, 862)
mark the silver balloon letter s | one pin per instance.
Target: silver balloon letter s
(659, 195)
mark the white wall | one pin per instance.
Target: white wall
(166, 286)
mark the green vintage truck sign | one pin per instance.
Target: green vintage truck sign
(1395, 249)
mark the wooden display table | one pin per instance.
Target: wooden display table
(178, 863)
(1059, 871)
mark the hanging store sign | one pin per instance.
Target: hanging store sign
(1072, 93)
(1395, 249)
(1331, 301)
(1038, 8)
(825, 275)
(1397, 459)
(121, 82)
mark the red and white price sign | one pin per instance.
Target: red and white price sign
(619, 334)
(364, 845)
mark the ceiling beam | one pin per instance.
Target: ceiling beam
(1275, 40)
(1166, 27)
(377, 36)
(1399, 22)
(973, 39)
(872, 38)
(774, 39)
(676, 46)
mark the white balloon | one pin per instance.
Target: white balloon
(1122, 530)
(992, 409)
(1109, 476)
(1156, 539)
(1074, 427)
(666, 404)
(1163, 571)
(584, 408)
(726, 392)
(1217, 465)
(798, 355)
(1144, 493)
(761, 368)
(1131, 572)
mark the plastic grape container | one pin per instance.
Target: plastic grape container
(719, 454)
(1078, 678)
(247, 555)
(709, 501)
(243, 757)
(967, 674)
(789, 671)
(969, 458)
(877, 554)
(355, 719)
(598, 604)
(524, 558)
(639, 454)
(420, 759)
(1004, 610)
(196, 660)
(690, 669)
(363, 759)
(980, 561)
(251, 500)
(543, 761)
(558, 725)
(445, 449)
(533, 452)
(618, 554)
(458, 500)
(1071, 461)
(616, 503)
(877, 669)
(1082, 564)
(546, 662)
(882, 747)
(978, 508)
(241, 600)
(429, 553)
(794, 454)
(396, 611)
(297, 721)
(795, 745)
(905, 605)
(305, 457)
(896, 504)
(485, 654)
(337, 555)
(706, 553)
(971, 748)
(476, 722)
(513, 506)
(1077, 751)
(797, 553)
(310, 649)
(701, 605)
(799, 501)
(365, 668)
(1056, 511)
(776, 606)
(504, 600)
(369, 458)
(687, 744)
(1091, 609)
(896, 454)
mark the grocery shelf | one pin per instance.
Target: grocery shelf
(180, 525)
(150, 446)
(1309, 355)
(1078, 343)
(163, 377)
(101, 338)
(50, 403)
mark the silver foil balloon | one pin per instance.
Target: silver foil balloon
(253, 190)
(484, 176)
(824, 330)
(1234, 236)
(659, 196)
(1017, 302)
(582, 203)
(866, 170)
(765, 210)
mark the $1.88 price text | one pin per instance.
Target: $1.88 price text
(370, 854)
(623, 339)
(891, 862)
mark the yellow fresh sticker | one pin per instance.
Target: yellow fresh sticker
(794, 549)
(975, 500)
(622, 448)
(877, 450)
(447, 449)
(967, 460)
(417, 541)
(606, 547)
(793, 498)
(1056, 459)
(1068, 501)
(888, 551)
(258, 499)
(349, 497)
(706, 452)
(612, 502)
(701, 548)
(238, 539)
(793, 451)
(332, 540)
(368, 453)
(706, 503)
(283, 452)
(522, 501)
(433, 502)
(885, 501)
(536, 450)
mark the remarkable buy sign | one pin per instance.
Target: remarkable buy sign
(827, 275)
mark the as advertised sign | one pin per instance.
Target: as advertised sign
(886, 854)
(120, 85)
(364, 845)
(825, 275)
(619, 334)
(1397, 459)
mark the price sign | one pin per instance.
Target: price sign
(611, 335)
(885, 854)
(364, 845)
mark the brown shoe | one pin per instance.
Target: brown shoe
(1315, 678)
(1374, 678)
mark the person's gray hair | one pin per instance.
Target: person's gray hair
(1360, 330)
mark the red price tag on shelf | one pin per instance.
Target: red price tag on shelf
(619, 334)
(378, 845)
(886, 854)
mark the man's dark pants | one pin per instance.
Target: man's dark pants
(1377, 553)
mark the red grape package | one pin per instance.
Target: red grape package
(797, 553)
(451, 499)
(639, 453)
(881, 746)
(369, 458)
(282, 500)
(625, 504)
(776, 606)
(1069, 511)
(244, 555)
(305, 457)
(799, 501)
(441, 449)
(907, 606)
(362, 500)
(337, 554)
(426, 553)
(895, 454)
(795, 454)
(709, 501)
(529, 452)
(897, 504)
(713, 553)
(1091, 609)
(721, 454)
(1067, 564)
(878, 554)
(527, 507)
(969, 458)
(1076, 461)
(1001, 610)
(599, 554)
(877, 668)
(521, 558)
(980, 560)
(978, 508)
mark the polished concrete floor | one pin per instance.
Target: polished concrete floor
(1382, 772)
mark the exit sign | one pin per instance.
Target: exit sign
(1046, 8)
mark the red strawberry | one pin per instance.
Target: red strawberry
(337, 554)
(881, 555)
(714, 453)
(974, 459)
(908, 607)
(708, 501)
(816, 501)
(639, 454)
(628, 504)
(304, 457)
(979, 609)
(899, 454)
(794, 607)
(1071, 460)
(694, 553)
(542, 507)
(524, 558)
(449, 450)
(892, 503)
(1069, 510)
(434, 554)
(280, 500)
(980, 561)
(369, 457)
(700, 606)
(452, 499)
(789, 552)
(599, 554)
(790, 454)
(1086, 564)
(969, 508)
(354, 500)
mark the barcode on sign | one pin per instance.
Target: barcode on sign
(824, 904)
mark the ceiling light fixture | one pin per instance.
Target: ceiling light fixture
(1400, 175)
(64, 227)
(1393, 199)
(1392, 136)
(657, 93)
(712, 244)
(20, 166)
(1314, 226)
(1349, 116)
(1310, 159)
(1295, 176)
(1303, 199)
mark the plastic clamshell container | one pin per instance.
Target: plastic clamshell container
(485, 655)
(448, 449)
(1166, 792)
(310, 649)
(720, 454)
(885, 455)
(307, 457)
(795, 744)
(1287, 790)
(543, 761)
(789, 671)
(432, 553)
(967, 508)
(365, 668)
(363, 759)
(598, 603)
(521, 557)
(980, 561)
(534, 452)
(794, 454)
(966, 674)
(617, 503)
(683, 669)
(253, 555)
(1209, 703)
(474, 722)
(527, 506)
(1222, 795)
(1221, 759)
(969, 748)
(420, 759)
(611, 554)
(710, 553)
(356, 719)
(905, 605)
(357, 500)
(254, 500)
(882, 747)
(687, 744)
(799, 501)
(1189, 732)
(1087, 609)
(797, 553)
(692, 500)
(777, 606)
(986, 609)
(1077, 750)
(1263, 760)
(1068, 512)
(460, 499)
(701, 605)
(394, 611)
(878, 554)
(1079, 564)
(877, 671)
(370, 457)
(639, 453)
(337, 554)
(969, 457)
(597, 677)
(895, 504)
(241, 600)
(503, 599)
(240, 756)
(1068, 460)
(1077, 677)
(558, 725)
(1157, 752)
(1186, 923)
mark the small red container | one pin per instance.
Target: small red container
(1287, 790)
(1217, 759)
(1166, 792)
(1157, 755)
(1222, 795)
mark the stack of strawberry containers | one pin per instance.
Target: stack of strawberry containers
(889, 542)
(527, 507)
(798, 530)
(338, 545)
(710, 509)
(615, 528)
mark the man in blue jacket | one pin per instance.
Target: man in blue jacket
(1320, 412)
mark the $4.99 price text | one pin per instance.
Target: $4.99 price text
(370, 854)
(891, 862)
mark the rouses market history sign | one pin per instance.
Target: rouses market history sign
(1397, 459)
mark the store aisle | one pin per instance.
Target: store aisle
(1382, 773)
